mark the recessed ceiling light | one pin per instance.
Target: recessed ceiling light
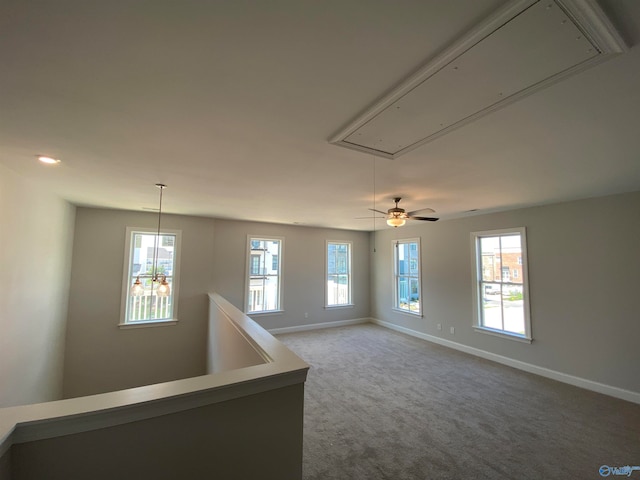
(48, 160)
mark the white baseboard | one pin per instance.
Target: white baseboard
(317, 326)
(527, 367)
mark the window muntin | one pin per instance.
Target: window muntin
(264, 274)
(139, 262)
(500, 283)
(338, 290)
(406, 271)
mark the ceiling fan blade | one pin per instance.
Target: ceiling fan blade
(422, 210)
(366, 218)
(426, 219)
(374, 210)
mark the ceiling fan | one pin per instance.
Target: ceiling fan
(397, 217)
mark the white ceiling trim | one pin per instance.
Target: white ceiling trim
(594, 30)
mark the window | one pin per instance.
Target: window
(167, 240)
(264, 274)
(255, 264)
(500, 283)
(139, 263)
(505, 274)
(338, 274)
(407, 275)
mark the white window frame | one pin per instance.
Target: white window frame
(396, 274)
(476, 272)
(247, 289)
(127, 276)
(349, 273)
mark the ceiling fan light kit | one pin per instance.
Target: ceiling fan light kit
(396, 222)
(397, 217)
(48, 160)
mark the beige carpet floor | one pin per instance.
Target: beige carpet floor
(383, 405)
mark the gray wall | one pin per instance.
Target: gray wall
(101, 357)
(584, 260)
(258, 436)
(35, 256)
(303, 282)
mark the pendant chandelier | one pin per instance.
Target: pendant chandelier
(158, 281)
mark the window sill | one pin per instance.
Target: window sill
(265, 312)
(333, 307)
(149, 323)
(407, 312)
(502, 334)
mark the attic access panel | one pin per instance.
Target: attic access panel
(524, 47)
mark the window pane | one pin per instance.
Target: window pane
(271, 293)
(338, 274)
(501, 282)
(403, 293)
(414, 295)
(513, 309)
(492, 305)
(264, 275)
(403, 258)
(342, 290)
(490, 258)
(332, 290)
(144, 262)
(512, 259)
(331, 259)
(407, 275)
(341, 262)
(489, 245)
(256, 295)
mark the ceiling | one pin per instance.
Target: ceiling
(232, 103)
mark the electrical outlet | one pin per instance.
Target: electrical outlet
(453, 330)
(306, 315)
(439, 326)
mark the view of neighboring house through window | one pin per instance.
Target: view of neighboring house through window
(500, 282)
(265, 265)
(338, 274)
(407, 275)
(141, 261)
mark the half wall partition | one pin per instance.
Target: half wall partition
(242, 420)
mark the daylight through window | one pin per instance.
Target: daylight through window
(338, 274)
(265, 264)
(140, 262)
(407, 275)
(500, 282)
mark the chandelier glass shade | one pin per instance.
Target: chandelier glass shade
(137, 290)
(163, 290)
